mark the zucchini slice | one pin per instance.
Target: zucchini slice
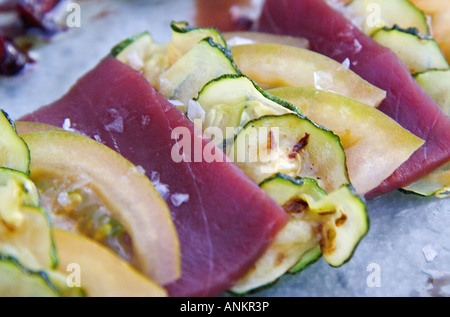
(14, 152)
(25, 228)
(319, 224)
(295, 241)
(16, 280)
(309, 257)
(418, 53)
(368, 136)
(346, 223)
(185, 37)
(436, 183)
(143, 54)
(26, 194)
(185, 78)
(292, 145)
(275, 65)
(230, 101)
(340, 218)
(81, 180)
(371, 15)
(103, 273)
(436, 83)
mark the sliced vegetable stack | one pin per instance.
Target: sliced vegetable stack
(36, 259)
(199, 85)
(378, 42)
(262, 152)
(214, 237)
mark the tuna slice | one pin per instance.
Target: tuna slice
(331, 34)
(224, 220)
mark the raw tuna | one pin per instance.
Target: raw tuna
(331, 34)
(224, 220)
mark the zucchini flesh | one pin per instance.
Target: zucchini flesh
(294, 241)
(25, 228)
(185, 78)
(62, 155)
(435, 83)
(436, 183)
(417, 52)
(14, 152)
(273, 65)
(371, 15)
(292, 145)
(17, 280)
(340, 217)
(309, 257)
(184, 38)
(344, 227)
(369, 152)
(143, 54)
(232, 101)
(307, 236)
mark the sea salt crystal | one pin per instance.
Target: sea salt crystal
(145, 120)
(239, 40)
(140, 169)
(176, 102)
(134, 60)
(346, 63)
(67, 126)
(195, 111)
(98, 139)
(358, 46)
(177, 198)
(429, 253)
(117, 124)
(323, 80)
(162, 189)
(63, 199)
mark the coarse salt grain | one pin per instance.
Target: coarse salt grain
(177, 198)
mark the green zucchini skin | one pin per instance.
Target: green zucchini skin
(322, 157)
(188, 47)
(305, 239)
(16, 153)
(120, 47)
(423, 52)
(436, 82)
(205, 61)
(377, 14)
(184, 29)
(16, 280)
